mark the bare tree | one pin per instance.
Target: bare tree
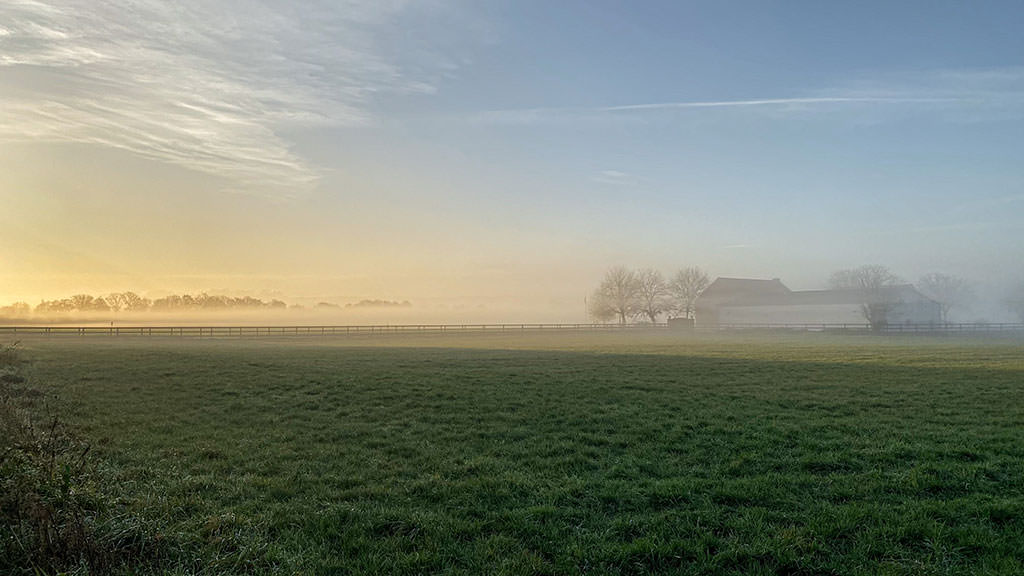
(127, 301)
(652, 294)
(115, 301)
(685, 287)
(134, 303)
(949, 291)
(88, 303)
(617, 296)
(51, 306)
(871, 282)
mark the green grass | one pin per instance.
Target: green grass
(559, 454)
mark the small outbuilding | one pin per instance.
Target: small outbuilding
(680, 323)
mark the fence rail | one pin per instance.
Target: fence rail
(238, 331)
(264, 331)
(891, 328)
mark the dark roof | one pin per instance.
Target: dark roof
(728, 289)
(751, 292)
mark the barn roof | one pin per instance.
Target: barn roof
(728, 289)
(754, 292)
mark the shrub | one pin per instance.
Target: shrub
(54, 517)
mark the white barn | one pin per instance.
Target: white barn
(753, 301)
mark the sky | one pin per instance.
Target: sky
(472, 155)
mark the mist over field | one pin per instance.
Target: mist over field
(975, 302)
(428, 313)
(511, 287)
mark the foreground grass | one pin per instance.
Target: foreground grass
(56, 515)
(604, 454)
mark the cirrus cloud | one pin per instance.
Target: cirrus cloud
(205, 85)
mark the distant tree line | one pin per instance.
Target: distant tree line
(202, 302)
(380, 304)
(626, 295)
(16, 310)
(132, 302)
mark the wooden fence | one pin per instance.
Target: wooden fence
(965, 327)
(246, 331)
(265, 331)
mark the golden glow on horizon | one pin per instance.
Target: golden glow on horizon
(108, 221)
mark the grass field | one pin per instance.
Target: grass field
(557, 454)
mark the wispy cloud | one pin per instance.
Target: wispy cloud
(615, 178)
(960, 94)
(205, 85)
(964, 85)
(537, 115)
(774, 102)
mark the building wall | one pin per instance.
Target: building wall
(791, 314)
(705, 315)
(921, 312)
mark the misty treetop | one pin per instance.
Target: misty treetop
(627, 295)
(951, 292)
(872, 282)
(617, 297)
(652, 294)
(16, 310)
(685, 286)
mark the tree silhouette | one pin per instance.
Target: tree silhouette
(617, 296)
(652, 294)
(949, 291)
(685, 286)
(871, 283)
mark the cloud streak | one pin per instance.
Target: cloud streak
(615, 178)
(769, 102)
(536, 115)
(961, 94)
(209, 86)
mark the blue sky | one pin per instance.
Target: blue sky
(503, 153)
